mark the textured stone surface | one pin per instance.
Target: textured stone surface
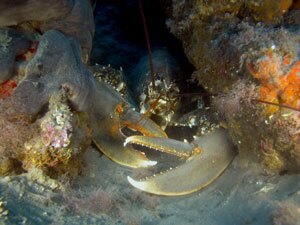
(72, 17)
(244, 51)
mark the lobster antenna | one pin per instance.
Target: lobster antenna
(276, 104)
(148, 44)
(253, 100)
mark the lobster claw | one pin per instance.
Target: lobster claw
(108, 137)
(206, 162)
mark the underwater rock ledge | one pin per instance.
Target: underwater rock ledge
(246, 54)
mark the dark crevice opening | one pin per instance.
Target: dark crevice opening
(120, 39)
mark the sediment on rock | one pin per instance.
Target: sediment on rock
(254, 44)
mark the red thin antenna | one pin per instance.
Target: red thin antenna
(253, 100)
(148, 44)
(276, 104)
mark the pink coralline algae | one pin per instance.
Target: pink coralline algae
(57, 128)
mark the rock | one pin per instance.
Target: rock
(242, 53)
(51, 141)
(12, 44)
(18, 12)
(72, 17)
